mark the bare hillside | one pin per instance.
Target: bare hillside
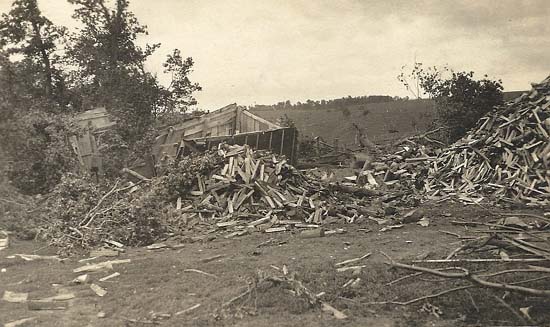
(383, 121)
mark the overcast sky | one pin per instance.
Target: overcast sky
(262, 51)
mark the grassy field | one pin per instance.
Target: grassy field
(383, 121)
(191, 285)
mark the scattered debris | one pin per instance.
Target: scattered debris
(15, 297)
(318, 232)
(58, 297)
(354, 269)
(232, 191)
(413, 216)
(188, 310)
(113, 275)
(20, 322)
(5, 241)
(47, 305)
(212, 258)
(424, 222)
(32, 257)
(98, 290)
(156, 246)
(82, 279)
(100, 266)
(387, 228)
(200, 272)
(343, 263)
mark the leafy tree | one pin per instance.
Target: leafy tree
(27, 34)
(460, 99)
(110, 69)
(179, 94)
(38, 145)
(33, 129)
(101, 65)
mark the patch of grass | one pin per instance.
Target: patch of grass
(333, 123)
(465, 307)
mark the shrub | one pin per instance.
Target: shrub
(40, 151)
(460, 99)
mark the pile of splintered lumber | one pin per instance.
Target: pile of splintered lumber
(403, 167)
(506, 155)
(255, 190)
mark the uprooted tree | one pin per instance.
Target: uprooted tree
(102, 64)
(460, 99)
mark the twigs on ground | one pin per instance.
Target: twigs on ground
(414, 275)
(291, 283)
(474, 279)
(431, 296)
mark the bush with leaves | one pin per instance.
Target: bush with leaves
(80, 214)
(39, 150)
(179, 176)
(461, 100)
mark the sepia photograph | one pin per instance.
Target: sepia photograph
(278, 163)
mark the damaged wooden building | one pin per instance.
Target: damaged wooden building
(231, 124)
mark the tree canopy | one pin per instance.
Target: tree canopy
(48, 73)
(461, 100)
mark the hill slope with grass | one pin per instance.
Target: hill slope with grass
(383, 121)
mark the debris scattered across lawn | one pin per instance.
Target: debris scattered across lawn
(5, 240)
(519, 243)
(264, 281)
(20, 322)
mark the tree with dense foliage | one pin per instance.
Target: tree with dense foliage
(460, 99)
(110, 68)
(48, 74)
(33, 127)
(26, 33)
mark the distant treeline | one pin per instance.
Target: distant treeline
(334, 103)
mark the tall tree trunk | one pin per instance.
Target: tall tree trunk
(45, 59)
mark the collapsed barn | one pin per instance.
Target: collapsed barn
(231, 124)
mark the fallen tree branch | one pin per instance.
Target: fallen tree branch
(431, 296)
(472, 278)
(86, 221)
(414, 275)
(479, 260)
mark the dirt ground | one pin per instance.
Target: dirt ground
(154, 287)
